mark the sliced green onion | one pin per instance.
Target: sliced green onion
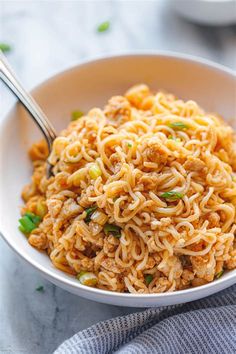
(34, 218)
(104, 26)
(178, 125)
(219, 274)
(87, 278)
(29, 222)
(94, 171)
(22, 229)
(113, 229)
(89, 212)
(41, 209)
(26, 225)
(4, 47)
(170, 137)
(172, 195)
(129, 145)
(40, 288)
(148, 278)
(76, 115)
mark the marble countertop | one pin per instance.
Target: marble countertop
(47, 37)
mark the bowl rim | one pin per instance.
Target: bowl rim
(60, 278)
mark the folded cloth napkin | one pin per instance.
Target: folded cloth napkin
(203, 326)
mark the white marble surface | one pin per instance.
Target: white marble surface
(49, 36)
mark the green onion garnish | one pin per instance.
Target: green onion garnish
(129, 145)
(29, 222)
(34, 218)
(41, 209)
(170, 137)
(94, 171)
(218, 275)
(87, 278)
(104, 26)
(148, 278)
(22, 229)
(26, 225)
(4, 47)
(113, 229)
(40, 288)
(178, 125)
(172, 195)
(76, 115)
(89, 212)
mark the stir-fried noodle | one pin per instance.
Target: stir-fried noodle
(143, 195)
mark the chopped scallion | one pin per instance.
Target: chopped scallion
(172, 195)
(219, 274)
(22, 229)
(41, 209)
(40, 288)
(76, 115)
(4, 47)
(148, 278)
(87, 278)
(129, 145)
(29, 222)
(94, 171)
(34, 218)
(178, 125)
(113, 229)
(89, 212)
(104, 26)
(26, 225)
(170, 137)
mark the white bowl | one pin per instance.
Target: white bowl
(84, 87)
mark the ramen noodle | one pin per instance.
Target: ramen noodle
(142, 197)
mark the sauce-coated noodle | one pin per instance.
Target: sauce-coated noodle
(143, 195)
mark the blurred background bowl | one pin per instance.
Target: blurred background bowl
(208, 12)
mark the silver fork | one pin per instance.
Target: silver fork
(9, 78)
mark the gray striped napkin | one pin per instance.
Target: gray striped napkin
(203, 326)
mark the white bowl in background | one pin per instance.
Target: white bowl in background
(208, 12)
(85, 86)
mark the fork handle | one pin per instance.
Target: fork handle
(9, 78)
